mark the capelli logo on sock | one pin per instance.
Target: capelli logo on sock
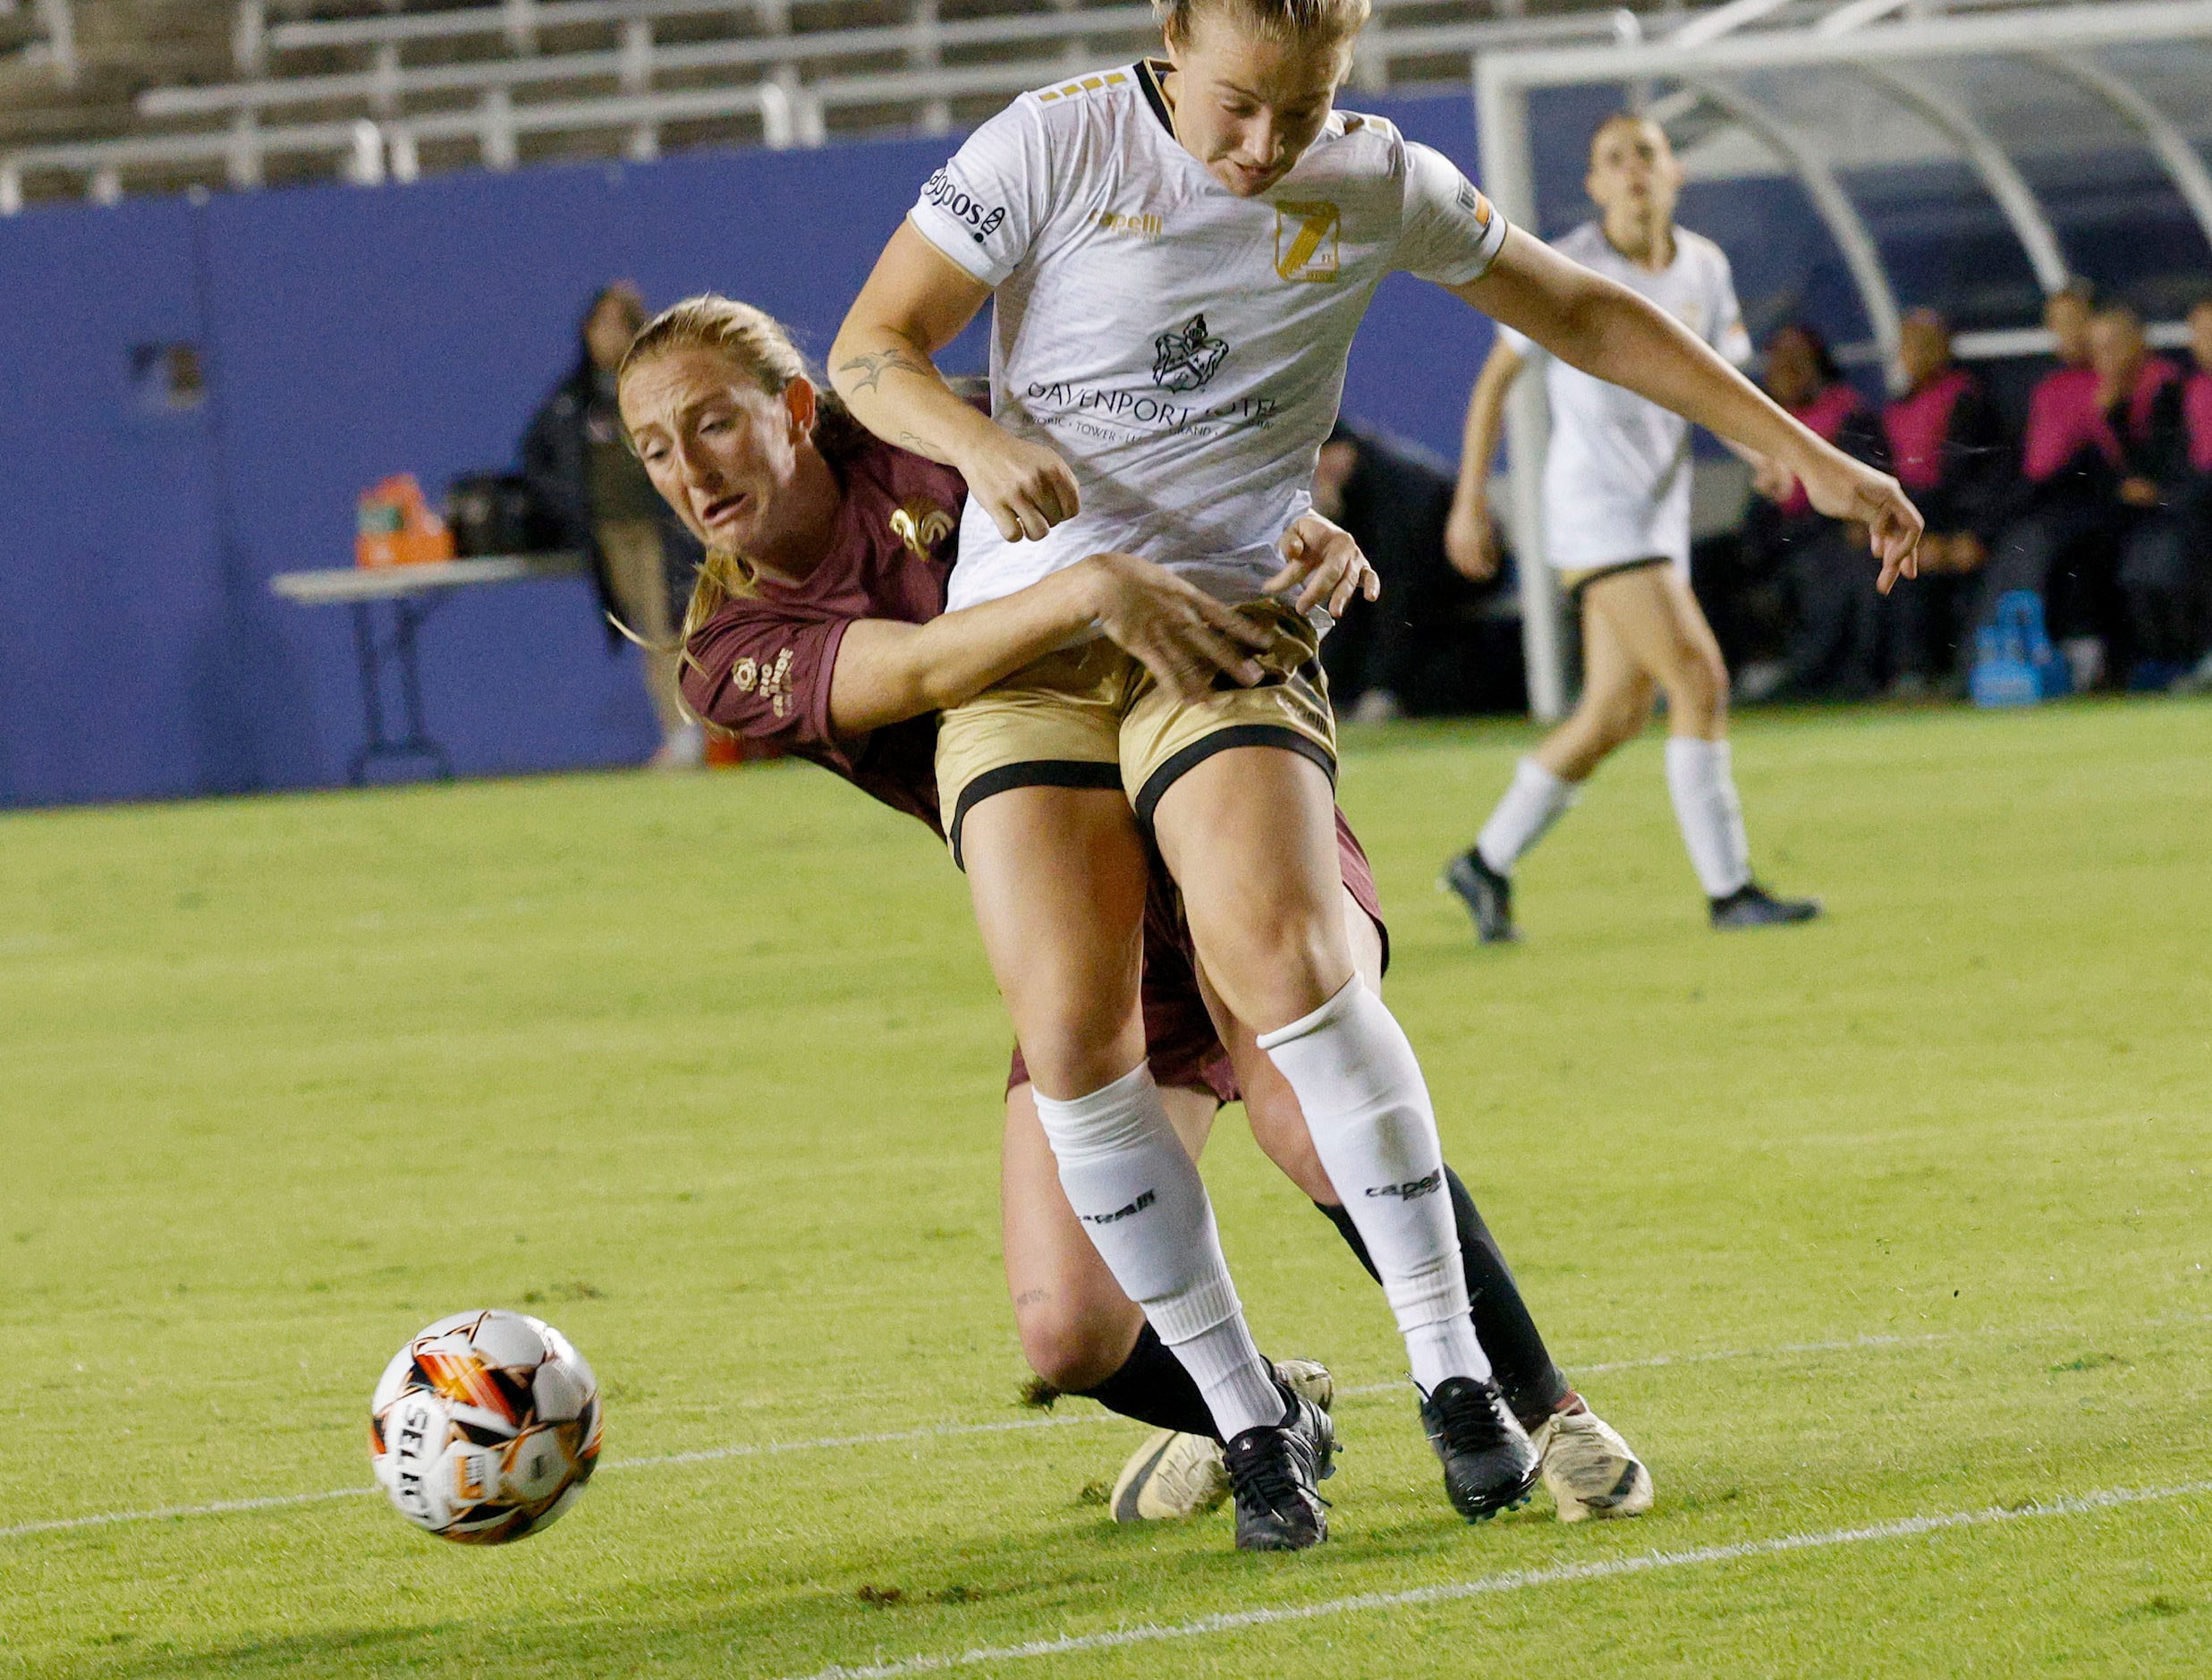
(1411, 1188)
(1136, 1207)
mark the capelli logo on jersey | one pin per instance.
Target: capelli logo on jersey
(1413, 1188)
(1136, 224)
(1307, 236)
(1187, 359)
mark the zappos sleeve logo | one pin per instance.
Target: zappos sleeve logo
(982, 219)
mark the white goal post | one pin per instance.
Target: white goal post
(1714, 64)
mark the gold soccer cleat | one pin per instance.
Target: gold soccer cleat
(1591, 1471)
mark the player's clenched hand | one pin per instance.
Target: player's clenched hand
(1324, 565)
(1469, 542)
(1847, 490)
(1025, 488)
(1184, 637)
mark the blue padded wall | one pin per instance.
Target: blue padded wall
(347, 333)
(119, 651)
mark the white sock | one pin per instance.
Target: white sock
(1367, 1107)
(1138, 1193)
(1535, 801)
(1703, 782)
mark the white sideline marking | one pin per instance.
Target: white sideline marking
(217, 1508)
(753, 1449)
(1512, 1581)
(1850, 1346)
(709, 1454)
(756, 1449)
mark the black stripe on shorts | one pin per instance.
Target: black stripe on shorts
(1035, 773)
(1222, 740)
(1603, 573)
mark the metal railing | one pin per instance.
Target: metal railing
(791, 80)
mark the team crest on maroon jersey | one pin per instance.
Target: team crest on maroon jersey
(921, 524)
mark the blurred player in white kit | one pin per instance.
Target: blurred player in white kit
(1616, 528)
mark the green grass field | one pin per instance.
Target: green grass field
(1902, 1216)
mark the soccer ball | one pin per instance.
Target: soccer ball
(485, 1427)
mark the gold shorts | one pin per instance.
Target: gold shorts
(1092, 717)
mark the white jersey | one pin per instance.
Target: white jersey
(1616, 480)
(1182, 348)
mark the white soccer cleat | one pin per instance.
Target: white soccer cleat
(1176, 1475)
(1591, 1471)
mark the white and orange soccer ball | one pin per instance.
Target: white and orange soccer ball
(485, 1427)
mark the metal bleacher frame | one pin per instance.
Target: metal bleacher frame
(788, 77)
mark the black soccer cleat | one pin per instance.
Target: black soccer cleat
(1489, 1464)
(1273, 1472)
(1751, 905)
(1487, 893)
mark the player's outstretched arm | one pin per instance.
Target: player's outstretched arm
(1469, 542)
(1612, 333)
(916, 302)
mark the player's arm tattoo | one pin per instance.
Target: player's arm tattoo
(873, 365)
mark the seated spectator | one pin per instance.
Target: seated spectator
(1832, 642)
(582, 475)
(2139, 398)
(1394, 499)
(2055, 541)
(1948, 447)
(2197, 416)
(2197, 393)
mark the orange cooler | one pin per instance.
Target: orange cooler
(396, 527)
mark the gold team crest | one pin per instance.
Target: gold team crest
(921, 524)
(1306, 240)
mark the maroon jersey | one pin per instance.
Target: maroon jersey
(761, 668)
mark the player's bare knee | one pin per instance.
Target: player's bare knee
(1071, 1350)
(1279, 961)
(1697, 688)
(1075, 1039)
(1619, 717)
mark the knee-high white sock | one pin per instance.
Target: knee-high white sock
(1535, 801)
(1703, 783)
(1138, 1193)
(1367, 1107)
